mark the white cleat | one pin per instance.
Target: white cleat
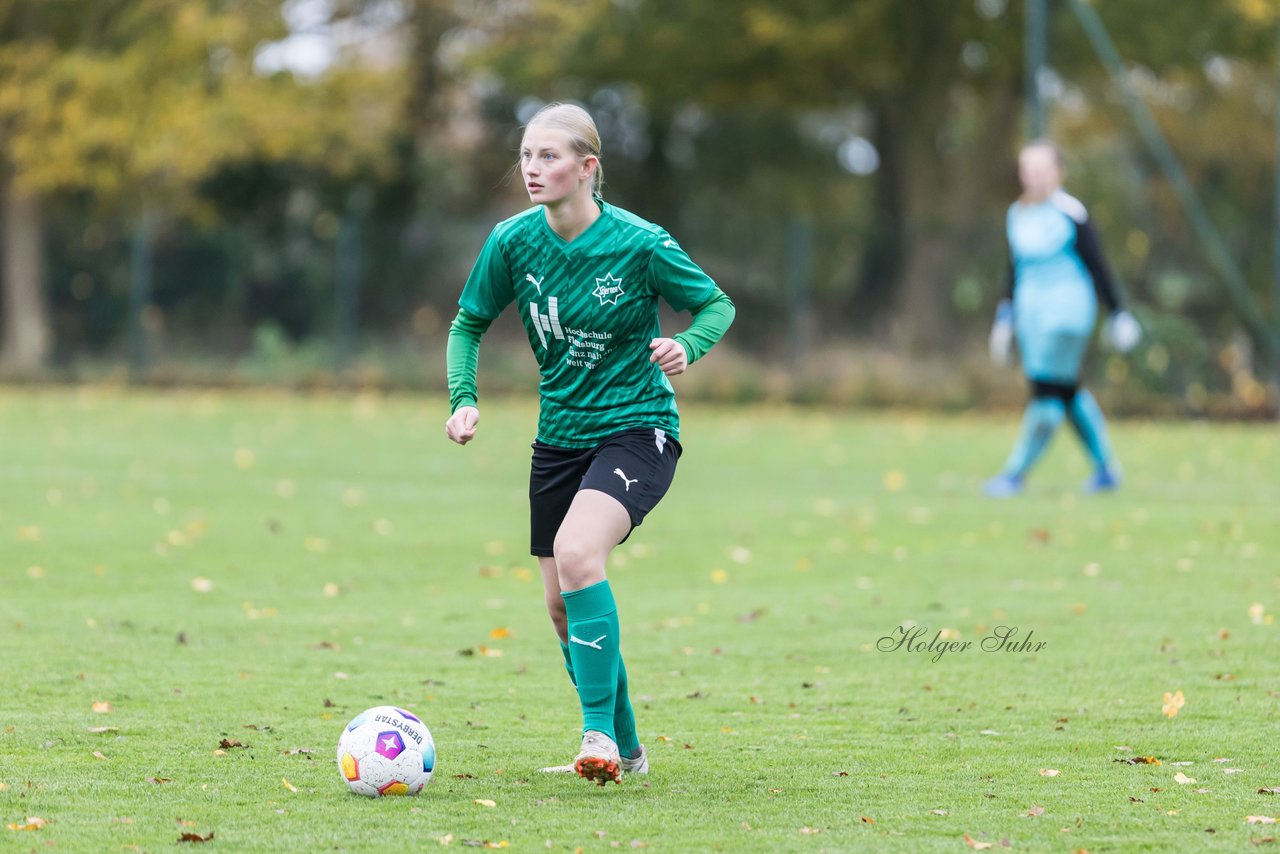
(598, 760)
(638, 765)
(558, 769)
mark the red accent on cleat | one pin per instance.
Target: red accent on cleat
(598, 771)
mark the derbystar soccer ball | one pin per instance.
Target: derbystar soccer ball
(386, 751)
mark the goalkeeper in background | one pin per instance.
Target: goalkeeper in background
(1057, 274)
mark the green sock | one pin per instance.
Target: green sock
(624, 718)
(568, 662)
(593, 650)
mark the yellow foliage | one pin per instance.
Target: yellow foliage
(1260, 11)
(177, 98)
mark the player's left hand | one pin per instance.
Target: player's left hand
(1122, 331)
(669, 355)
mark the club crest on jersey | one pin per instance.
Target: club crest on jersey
(608, 289)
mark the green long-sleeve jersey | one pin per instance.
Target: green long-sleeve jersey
(590, 309)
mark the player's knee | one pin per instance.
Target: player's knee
(577, 563)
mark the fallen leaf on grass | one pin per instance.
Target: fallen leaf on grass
(327, 645)
(101, 707)
(297, 750)
(195, 837)
(98, 729)
(1140, 760)
(976, 845)
(866, 820)
(1275, 790)
(98, 754)
(229, 743)
(446, 839)
(1182, 779)
(159, 780)
(488, 652)
(485, 802)
(1249, 819)
(288, 785)
(1173, 703)
(1036, 811)
(1051, 772)
(939, 812)
(810, 831)
(33, 822)
(500, 633)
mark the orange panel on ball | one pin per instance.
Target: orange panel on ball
(350, 767)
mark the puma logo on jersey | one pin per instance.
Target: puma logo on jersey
(625, 479)
(595, 644)
(537, 283)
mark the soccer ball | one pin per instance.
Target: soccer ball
(386, 751)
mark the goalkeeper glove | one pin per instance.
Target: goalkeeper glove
(1000, 344)
(1122, 331)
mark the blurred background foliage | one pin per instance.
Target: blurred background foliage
(293, 191)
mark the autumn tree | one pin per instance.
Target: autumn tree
(137, 101)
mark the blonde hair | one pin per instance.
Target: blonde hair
(583, 135)
(1046, 143)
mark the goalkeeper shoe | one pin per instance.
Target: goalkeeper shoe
(1003, 486)
(1103, 480)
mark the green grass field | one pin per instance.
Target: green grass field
(263, 567)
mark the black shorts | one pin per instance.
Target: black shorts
(635, 466)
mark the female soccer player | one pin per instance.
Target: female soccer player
(1056, 265)
(586, 277)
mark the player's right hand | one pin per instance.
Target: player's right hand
(461, 426)
(1000, 344)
